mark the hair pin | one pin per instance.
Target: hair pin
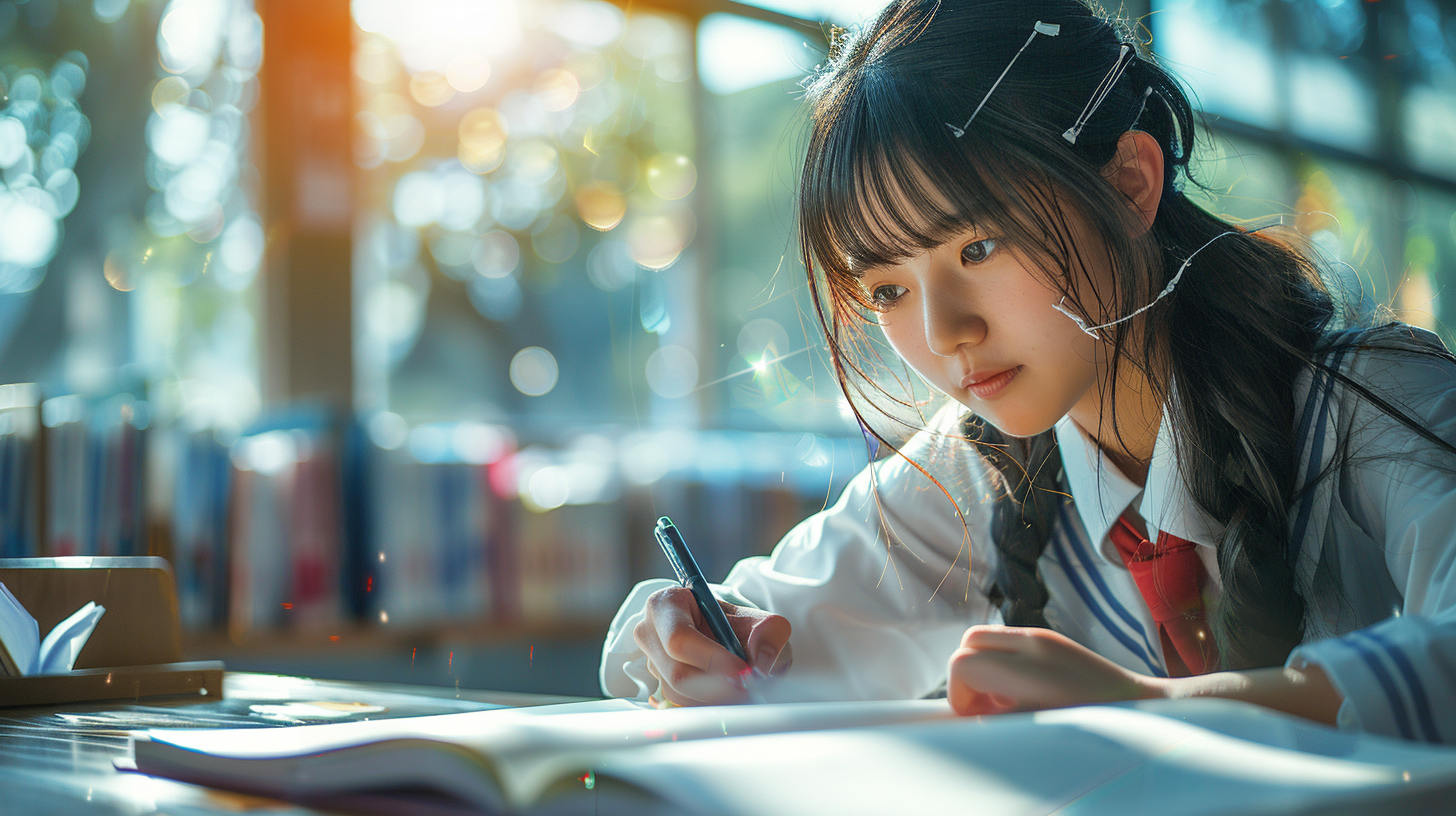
(1049, 29)
(1103, 89)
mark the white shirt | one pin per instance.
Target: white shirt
(1377, 562)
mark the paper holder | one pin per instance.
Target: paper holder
(136, 649)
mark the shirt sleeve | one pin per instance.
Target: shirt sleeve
(1398, 677)
(878, 588)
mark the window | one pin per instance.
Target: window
(1359, 157)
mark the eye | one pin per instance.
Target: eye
(978, 251)
(885, 295)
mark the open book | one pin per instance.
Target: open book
(23, 652)
(1169, 757)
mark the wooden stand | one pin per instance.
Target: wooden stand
(136, 648)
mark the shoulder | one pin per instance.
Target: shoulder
(1398, 368)
(942, 450)
(1404, 365)
(1399, 360)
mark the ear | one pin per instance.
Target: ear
(1137, 172)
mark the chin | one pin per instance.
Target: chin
(1021, 426)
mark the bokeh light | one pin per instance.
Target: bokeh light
(495, 254)
(547, 489)
(671, 175)
(534, 371)
(762, 339)
(610, 266)
(557, 89)
(672, 371)
(431, 89)
(118, 273)
(483, 136)
(28, 228)
(657, 241)
(468, 71)
(170, 90)
(600, 205)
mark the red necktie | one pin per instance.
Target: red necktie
(1170, 576)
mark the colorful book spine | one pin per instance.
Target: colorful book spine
(20, 470)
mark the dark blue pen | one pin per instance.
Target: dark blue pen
(691, 577)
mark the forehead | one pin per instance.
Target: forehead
(894, 209)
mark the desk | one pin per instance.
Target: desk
(57, 761)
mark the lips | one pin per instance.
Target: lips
(985, 384)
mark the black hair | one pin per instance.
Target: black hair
(886, 176)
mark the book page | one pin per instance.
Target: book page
(1165, 757)
(63, 644)
(19, 633)
(524, 749)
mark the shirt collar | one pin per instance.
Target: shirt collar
(1101, 491)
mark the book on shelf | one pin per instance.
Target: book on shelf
(1173, 757)
(95, 473)
(285, 539)
(198, 481)
(20, 470)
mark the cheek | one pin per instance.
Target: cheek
(907, 338)
(901, 335)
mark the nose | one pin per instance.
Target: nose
(949, 324)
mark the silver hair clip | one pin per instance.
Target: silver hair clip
(1103, 89)
(1049, 29)
(1167, 290)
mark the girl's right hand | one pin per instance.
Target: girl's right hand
(695, 669)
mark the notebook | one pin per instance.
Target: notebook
(1172, 757)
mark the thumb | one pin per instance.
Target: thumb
(767, 644)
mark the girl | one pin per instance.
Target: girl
(1170, 466)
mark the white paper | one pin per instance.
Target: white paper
(58, 652)
(19, 631)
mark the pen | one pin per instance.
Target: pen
(691, 577)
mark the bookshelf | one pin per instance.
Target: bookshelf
(359, 547)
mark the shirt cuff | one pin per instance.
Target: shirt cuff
(623, 671)
(1397, 677)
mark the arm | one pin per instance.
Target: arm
(868, 622)
(999, 669)
(1395, 666)
(1390, 553)
(1302, 689)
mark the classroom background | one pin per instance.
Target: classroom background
(394, 325)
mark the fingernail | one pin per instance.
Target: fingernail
(765, 659)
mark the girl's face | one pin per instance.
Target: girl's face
(977, 323)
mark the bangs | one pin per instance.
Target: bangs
(879, 186)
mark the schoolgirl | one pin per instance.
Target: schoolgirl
(1171, 465)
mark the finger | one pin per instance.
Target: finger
(683, 685)
(968, 702)
(980, 682)
(1004, 638)
(764, 641)
(661, 666)
(675, 616)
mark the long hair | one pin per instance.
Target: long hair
(886, 176)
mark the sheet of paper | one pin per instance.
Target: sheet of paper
(61, 647)
(19, 631)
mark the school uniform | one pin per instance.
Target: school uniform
(880, 593)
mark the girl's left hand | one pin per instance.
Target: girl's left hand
(1004, 668)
